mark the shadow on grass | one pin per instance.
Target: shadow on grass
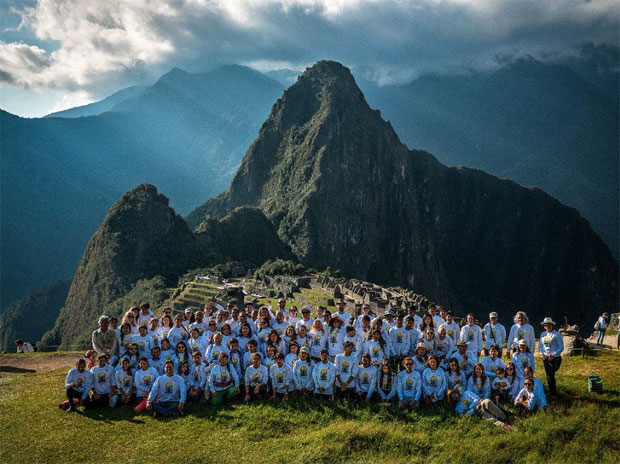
(16, 370)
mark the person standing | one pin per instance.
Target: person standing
(601, 326)
(104, 339)
(494, 334)
(550, 347)
(521, 330)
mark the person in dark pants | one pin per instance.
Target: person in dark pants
(550, 347)
(78, 383)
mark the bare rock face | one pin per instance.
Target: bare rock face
(344, 192)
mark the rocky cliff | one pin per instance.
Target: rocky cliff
(343, 191)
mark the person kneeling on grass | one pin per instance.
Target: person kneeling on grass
(168, 393)
(256, 379)
(469, 403)
(281, 379)
(223, 381)
(78, 383)
(408, 385)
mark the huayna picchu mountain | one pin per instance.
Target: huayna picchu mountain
(343, 191)
(142, 237)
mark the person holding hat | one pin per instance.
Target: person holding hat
(550, 347)
(494, 333)
(323, 376)
(601, 326)
(302, 372)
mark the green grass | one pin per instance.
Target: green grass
(581, 427)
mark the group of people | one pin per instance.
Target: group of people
(217, 354)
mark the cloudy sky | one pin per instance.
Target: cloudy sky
(55, 54)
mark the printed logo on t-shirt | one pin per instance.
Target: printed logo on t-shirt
(344, 367)
(450, 332)
(464, 364)
(126, 381)
(255, 378)
(323, 374)
(520, 334)
(280, 378)
(79, 380)
(316, 341)
(101, 377)
(146, 380)
(168, 387)
(303, 371)
(409, 384)
(365, 378)
(224, 376)
(470, 335)
(466, 402)
(399, 337)
(457, 379)
(196, 374)
(433, 380)
(524, 362)
(376, 350)
(141, 345)
(547, 341)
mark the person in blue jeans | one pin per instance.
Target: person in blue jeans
(168, 393)
(601, 326)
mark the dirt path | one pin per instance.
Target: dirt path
(608, 340)
(37, 362)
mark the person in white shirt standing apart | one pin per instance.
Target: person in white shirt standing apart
(601, 326)
(550, 347)
(494, 334)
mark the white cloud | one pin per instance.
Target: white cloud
(103, 41)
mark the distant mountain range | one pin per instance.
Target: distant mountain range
(553, 126)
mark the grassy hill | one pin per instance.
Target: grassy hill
(581, 427)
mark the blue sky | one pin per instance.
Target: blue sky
(55, 54)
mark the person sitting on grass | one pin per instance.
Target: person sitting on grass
(323, 376)
(386, 383)
(469, 403)
(500, 387)
(256, 379)
(168, 393)
(539, 390)
(479, 382)
(223, 381)
(281, 379)
(408, 385)
(78, 383)
(103, 383)
(526, 401)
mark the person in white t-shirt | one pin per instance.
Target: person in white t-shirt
(23, 347)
